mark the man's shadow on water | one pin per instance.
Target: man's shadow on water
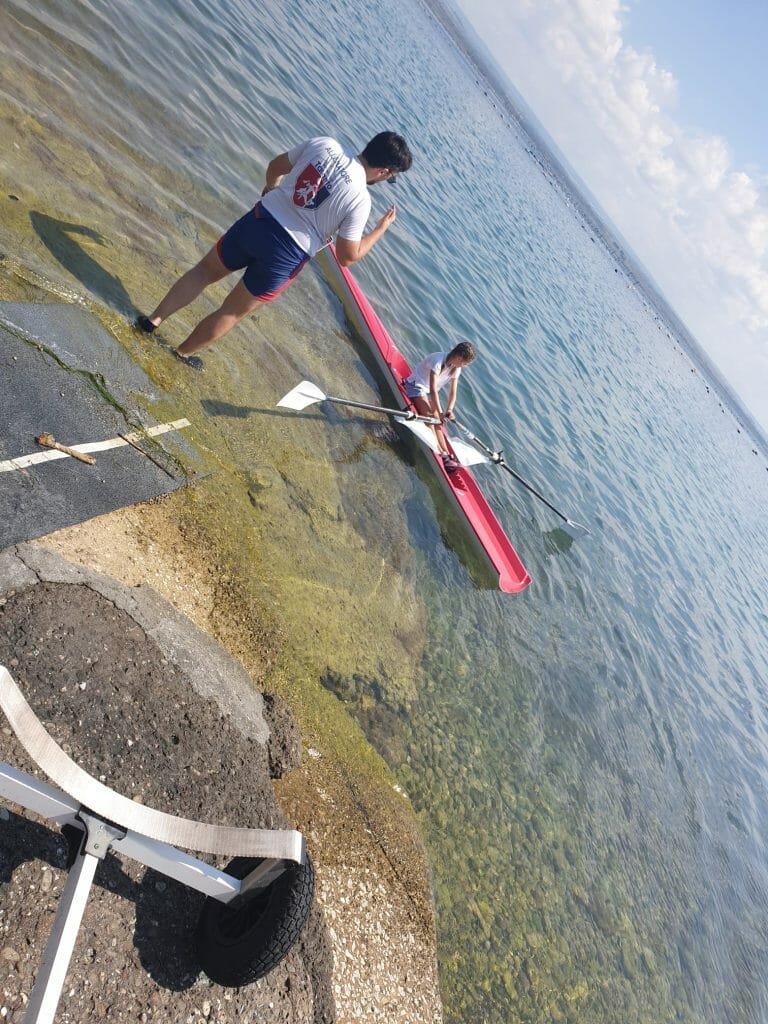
(60, 238)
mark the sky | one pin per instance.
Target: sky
(660, 107)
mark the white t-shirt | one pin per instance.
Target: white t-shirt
(325, 192)
(435, 361)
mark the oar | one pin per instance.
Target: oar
(498, 458)
(306, 393)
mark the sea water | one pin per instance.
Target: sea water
(587, 758)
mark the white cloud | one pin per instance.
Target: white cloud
(707, 161)
(742, 195)
(699, 223)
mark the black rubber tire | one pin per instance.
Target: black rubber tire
(239, 946)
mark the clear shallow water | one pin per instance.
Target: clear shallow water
(588, 759)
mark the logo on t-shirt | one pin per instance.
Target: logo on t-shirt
(310, 191)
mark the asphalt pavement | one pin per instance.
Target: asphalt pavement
(63, 374)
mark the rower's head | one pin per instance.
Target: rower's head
(385, 156)
(461, 355)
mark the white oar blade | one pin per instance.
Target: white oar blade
(422, 431)
(466, 454)
(302, 395)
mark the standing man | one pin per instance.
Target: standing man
(312, 192)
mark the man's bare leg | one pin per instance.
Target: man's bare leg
(238, 304)
(209, 270)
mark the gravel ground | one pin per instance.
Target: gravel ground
(119, 705)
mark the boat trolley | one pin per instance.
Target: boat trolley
(254, 910)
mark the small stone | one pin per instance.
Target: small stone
(9, 953)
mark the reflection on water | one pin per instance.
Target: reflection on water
(588, 759)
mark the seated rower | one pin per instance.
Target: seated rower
(426, 381)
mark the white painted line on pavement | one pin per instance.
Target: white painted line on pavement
(22, 461)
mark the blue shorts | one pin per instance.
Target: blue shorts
(414, 390)
(270, 256)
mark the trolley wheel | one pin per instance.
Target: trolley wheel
(239, 945)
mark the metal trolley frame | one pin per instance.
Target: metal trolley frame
(108, 822)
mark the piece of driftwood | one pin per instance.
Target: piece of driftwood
(49, 441)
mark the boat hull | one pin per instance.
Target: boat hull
(461, 486)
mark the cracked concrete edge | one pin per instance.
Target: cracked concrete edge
(212, 672)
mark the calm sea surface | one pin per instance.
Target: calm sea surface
(588, 759)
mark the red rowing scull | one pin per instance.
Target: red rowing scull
(461, 485)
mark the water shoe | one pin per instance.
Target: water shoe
(193, 362)
(144, 324)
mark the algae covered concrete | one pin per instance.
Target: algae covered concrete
(303, 512)
(292, 547)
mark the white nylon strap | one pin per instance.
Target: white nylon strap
(285, 844)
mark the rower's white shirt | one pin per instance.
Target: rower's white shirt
(323, 194)
(434, 362)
